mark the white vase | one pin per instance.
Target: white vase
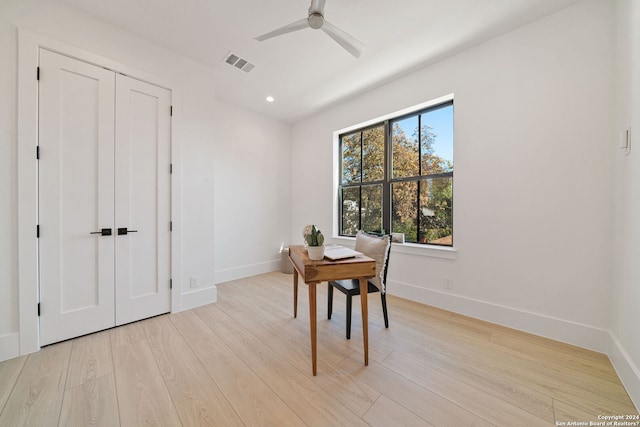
(316, 253)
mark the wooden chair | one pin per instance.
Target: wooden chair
(374, 247)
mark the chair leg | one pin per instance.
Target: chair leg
(329, 301)
(384, 309)
(348, 316)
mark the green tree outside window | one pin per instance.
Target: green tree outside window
(397, 176)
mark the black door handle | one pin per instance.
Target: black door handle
(103, 232)
(123, 231)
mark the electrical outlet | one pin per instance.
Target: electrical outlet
(193, 282)
(448, 283)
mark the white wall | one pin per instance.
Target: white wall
(8, 188)
(207, 144)
(253, 156)
(533, 176)
(625, 346)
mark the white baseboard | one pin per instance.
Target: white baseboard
(628, 372)
(243, 271)
(199, 298)
(538, 324)
(9, 346)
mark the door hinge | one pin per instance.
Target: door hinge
(170, 225)
(37, 152)
(37, 231)
(171, 110)
(38, 309)
(170, 168)
(170, 283)
(38, 73)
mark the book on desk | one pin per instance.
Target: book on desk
(337, 252)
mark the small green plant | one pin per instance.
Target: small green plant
(314, 237)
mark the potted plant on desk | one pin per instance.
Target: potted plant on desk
(315, 240)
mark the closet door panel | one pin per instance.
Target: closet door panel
(142, 195)
(76, 191)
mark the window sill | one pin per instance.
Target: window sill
(431, 251)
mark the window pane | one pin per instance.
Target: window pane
(415, 196)
(404, 209)
(350, 211)
(373, 154)
(404, 143)
(351, 153)
(436, 211)
(372, 208)
(436, 141)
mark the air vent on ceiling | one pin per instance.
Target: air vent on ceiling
(239, 63)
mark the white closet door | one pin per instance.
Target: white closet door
(142, 190)
(75, 177)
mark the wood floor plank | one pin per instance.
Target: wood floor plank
(541, 354)
(197, 398)
(191, 327)
(253, 400)
(91, 403)
(278, 304)
(332, 331)
(290, 330)
(9, 371)
(537, 341)
(298, 388)
(143, 398)
(246, 361)
(387, 413)
(276, 331)
(565, 412)
(578, 361)
(494, 382)
(552, 378)
(127, 334)
(471, 346)
(425, 403)
(90, 359)
(439, 322)
(498, 411)
(37, 396)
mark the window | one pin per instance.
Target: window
(397, 176)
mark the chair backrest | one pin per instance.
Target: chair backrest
(379, 249)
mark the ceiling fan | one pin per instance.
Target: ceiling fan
(316, 21)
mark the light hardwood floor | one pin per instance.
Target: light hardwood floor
(246, 361)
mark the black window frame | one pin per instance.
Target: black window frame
(388, 180)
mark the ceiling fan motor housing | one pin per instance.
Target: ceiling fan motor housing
(316, 20)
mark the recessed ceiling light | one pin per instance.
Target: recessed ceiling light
(270, 99)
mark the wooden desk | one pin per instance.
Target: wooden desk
(314, 272)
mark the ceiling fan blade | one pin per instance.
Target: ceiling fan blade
(350, 43)
(294, 26)
(317, 6)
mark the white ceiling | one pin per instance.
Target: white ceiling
(306, 71)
